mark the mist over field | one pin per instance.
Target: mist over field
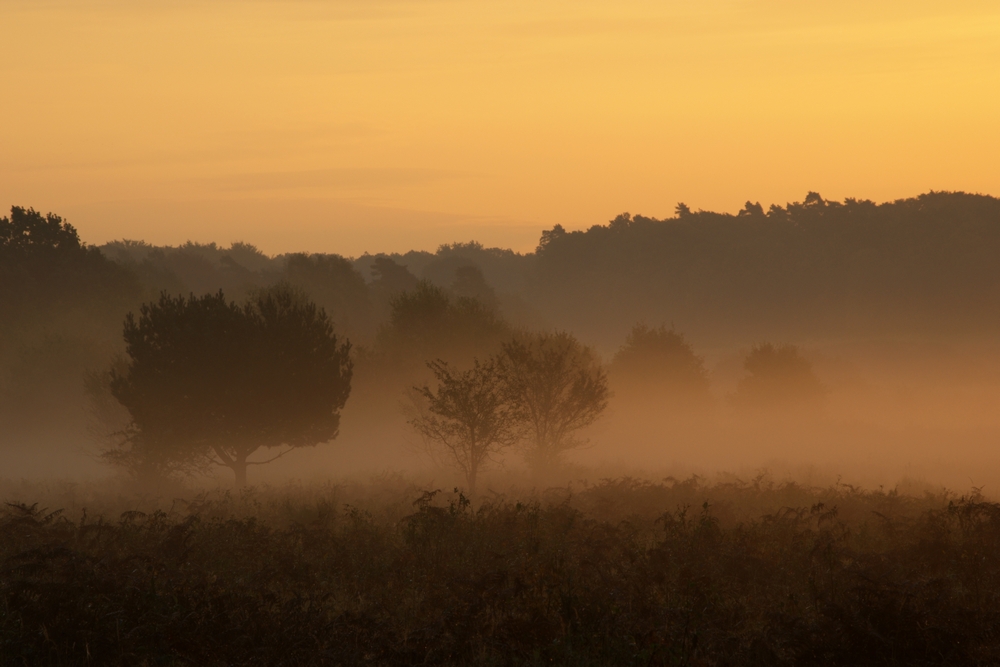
(755, 439)
(891, 308)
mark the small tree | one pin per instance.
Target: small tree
(207, 378)
(557, 386)
(468, 417)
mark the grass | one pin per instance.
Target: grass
(617, 573)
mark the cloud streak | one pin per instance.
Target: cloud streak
(330, 179)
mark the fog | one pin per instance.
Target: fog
(888, 309)
(914, 417)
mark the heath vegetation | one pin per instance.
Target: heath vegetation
(620, 572)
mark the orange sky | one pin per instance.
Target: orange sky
(353, 125)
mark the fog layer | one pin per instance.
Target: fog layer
(820, 341)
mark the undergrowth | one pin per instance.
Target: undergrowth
(619, 573)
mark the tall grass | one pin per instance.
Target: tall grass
(620, 572)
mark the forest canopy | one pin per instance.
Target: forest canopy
(816, 266)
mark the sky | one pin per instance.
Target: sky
(377, 125)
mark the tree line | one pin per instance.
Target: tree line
(207, 381)
(921, 264)
(815, 267)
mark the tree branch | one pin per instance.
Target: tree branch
(273, 458)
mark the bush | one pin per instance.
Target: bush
(586, 578)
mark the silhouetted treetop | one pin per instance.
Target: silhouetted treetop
(778, 377)
(468, 417)
(334, 284)
(469, 283)
(427, 323)
(47, 276)
(27, 230)
(391, 277)
(653, 360)
(926, 263)
(505, 270)
(558, 387)
(200, 268)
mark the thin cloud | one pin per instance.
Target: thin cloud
(332, 179)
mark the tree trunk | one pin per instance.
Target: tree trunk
(471, 480)
(240, 468)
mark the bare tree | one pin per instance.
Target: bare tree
(557, 387)
(468, 418)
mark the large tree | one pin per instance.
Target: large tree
(557, 387)
(468, 417)
(52, 282)
(61, 303)
(210, 379)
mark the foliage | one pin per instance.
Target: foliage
(207, 377)
(199, 268)
(390, 277)
(469, 283)
(61, 303)
(504, 269)
(815, 267)
(468, 416)
(557, 386)
(779, 376)
(336, 286)
(426, 323)
(26, 231)
(47, 273)
(659, 363)
(837, 577)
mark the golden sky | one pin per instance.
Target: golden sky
(353, 125)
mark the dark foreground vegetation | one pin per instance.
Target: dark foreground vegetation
(625, 572)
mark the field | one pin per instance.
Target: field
(619, 572)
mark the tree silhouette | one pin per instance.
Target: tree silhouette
(390, 277)
(426, 323)
(468, 417)
(814, 267)
(61, 305)
(335, 285)
(207, 378)
(469, 283)
(27, 229)
(47, 274)
(557, 387)
(779, 377)
(659, 363)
